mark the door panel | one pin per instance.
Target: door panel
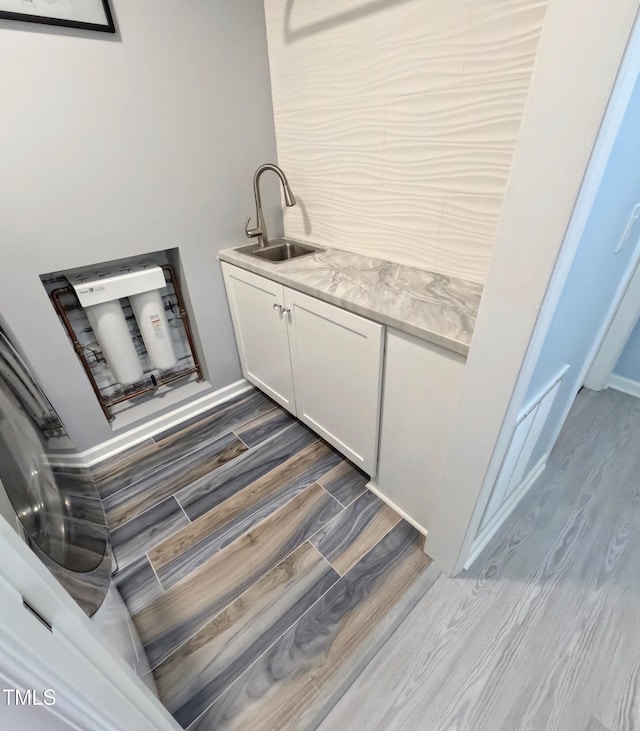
(422, 384)
(261, 333)
(337, 367)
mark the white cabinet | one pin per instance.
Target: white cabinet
(337, 371)
(261, 333)
(421, 389)
(322, 363)
(325, 365)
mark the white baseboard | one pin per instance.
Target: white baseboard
(505, 510)
(396, 509)
(141, 433)
(626, 385)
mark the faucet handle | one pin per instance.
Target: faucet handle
(251, 232)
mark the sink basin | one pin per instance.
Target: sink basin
(279, 250)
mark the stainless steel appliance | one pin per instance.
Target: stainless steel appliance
(57, 507)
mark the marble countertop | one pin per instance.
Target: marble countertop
(436, 308)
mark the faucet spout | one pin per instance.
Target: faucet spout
(260, 232)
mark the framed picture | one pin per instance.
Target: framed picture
(86, 14)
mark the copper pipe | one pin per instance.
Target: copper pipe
(78, 347)
(146, 389)
(184, 316)
(105, 404)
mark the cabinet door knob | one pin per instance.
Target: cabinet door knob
(285, 311)
(277, 307)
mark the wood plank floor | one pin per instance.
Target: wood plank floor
(261, 574)
(544, 632)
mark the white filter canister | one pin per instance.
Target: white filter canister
(154, 328)
(110, 327)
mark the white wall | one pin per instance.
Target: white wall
(112, 147)
(578, 58)
(397, 121)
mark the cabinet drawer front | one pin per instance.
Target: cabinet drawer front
(261, 333)
(337, 366)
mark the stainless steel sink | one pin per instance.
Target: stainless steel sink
(279, 250)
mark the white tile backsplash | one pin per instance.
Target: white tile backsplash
(396, 122)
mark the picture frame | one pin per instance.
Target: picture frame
(84, 14)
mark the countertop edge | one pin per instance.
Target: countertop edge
(245, 262)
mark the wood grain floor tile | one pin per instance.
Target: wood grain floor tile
(85, 508)
(135, 538)
(244, 587)
(543, 632)
(126, 504)
(201, 496)
(138, 585)
(354, 532)
(187, 549)
(249, 399)
(311, 660)
(264, 426)
(191, 679)
(120, 471)
(75, 481)
(175, 444)
(188, 605)
(346, 483)
(595, 725)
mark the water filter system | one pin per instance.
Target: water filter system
(128, 324)
(100, 291)
(112, 333)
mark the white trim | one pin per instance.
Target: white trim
(396, 509)
(614, 114)
(626, 385)
(165, 399)
(141, 433)
(524, 441)
(535, 401)
(505, 510)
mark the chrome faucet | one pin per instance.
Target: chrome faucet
(261, 229)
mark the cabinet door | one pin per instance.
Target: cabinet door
(337, 365)
(261, 333)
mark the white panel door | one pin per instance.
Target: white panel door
(507, 471)
(337, 366)
(523, 443)
(261, 333)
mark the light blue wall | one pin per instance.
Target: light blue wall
(594, 276)
(628, 364)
